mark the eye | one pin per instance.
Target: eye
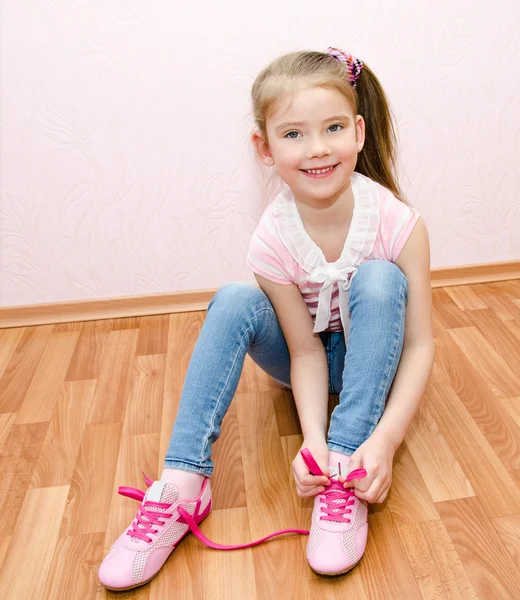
(335, 127)
(292, 135)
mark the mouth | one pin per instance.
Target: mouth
(320, 173)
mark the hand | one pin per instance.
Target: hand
(308, 485)
(376, 456)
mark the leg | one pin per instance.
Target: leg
(378, 297)
(240, 319)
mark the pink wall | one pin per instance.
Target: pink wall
(125, 162)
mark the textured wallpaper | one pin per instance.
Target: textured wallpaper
(125, 163)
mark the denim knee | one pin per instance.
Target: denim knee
(237, 298)
(377, 280)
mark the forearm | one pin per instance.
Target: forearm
(407, 391)
(310, 386)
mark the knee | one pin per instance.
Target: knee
(237, 296)
(378, 281)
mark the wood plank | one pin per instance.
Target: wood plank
(286, 413)
(228, 485)
(87, 358)
(9, 339)
(57, 457)
(153, 335)
(441, 472)
(228, 574)
(17, 460)
(44, 391)
(182, 335)
(335, 588)
(488, 477)
(494, 297)
(484, 359)
(109, 402)
(465, 298)
(145, 397)
(489, 566)
(92, 486)
(21, 367)
(253, 379)
(508, 528)
(4, 545)
(73, 571)
(510, 288)
(446, 312)
(6, 422)
(435, 562)
(385, 567)
(31, 548)
(499, 336)
(279, 565)
(512, 406)
(472, 389)
(137, 455)
(408, 499)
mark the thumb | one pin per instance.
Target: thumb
(356, 461)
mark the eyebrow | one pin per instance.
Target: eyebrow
(300, 123)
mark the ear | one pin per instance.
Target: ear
(262, 149)
(360, 132)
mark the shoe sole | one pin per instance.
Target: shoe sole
(338, 573)
(205, 514)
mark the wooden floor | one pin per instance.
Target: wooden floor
(87, 407)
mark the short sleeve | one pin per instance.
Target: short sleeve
(397, 222)
(267, 256)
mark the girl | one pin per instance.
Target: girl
(338, 256)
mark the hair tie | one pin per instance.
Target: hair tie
(353, 64)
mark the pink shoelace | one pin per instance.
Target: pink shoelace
(153, 513)
(147, 517)
(336, 498)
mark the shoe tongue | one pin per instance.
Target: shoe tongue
(162, 491)
(334, 471)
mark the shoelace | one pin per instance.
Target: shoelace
(146, 517)
(336, 499)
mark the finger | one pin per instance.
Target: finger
(361, 485)
(383, 495)
(314, 480)
(373, 492)
(309, 492)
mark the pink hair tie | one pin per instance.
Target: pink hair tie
(353, 64)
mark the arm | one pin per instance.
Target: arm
(416, 362)
(413, 373)
(309, 379)
(309, 372)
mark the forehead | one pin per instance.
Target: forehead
(312, 104)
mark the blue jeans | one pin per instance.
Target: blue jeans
(241, 320)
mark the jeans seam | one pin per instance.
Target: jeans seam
(393, 352)
(212, 422)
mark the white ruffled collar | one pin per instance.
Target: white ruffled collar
(358, 245)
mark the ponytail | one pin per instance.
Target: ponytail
(377, 160)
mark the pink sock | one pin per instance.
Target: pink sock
(189, 484)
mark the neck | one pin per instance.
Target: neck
(332, 212)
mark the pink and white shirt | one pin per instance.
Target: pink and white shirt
(282, 251)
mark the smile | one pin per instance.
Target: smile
(319, 172)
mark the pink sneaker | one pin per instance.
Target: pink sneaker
(162, 521)
(339, 527)
(140, 552)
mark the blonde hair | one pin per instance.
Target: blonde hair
(377, 160)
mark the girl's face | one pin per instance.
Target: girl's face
(313, 140)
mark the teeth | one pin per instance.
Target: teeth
(319, 171)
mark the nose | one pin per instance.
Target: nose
(318, 147)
